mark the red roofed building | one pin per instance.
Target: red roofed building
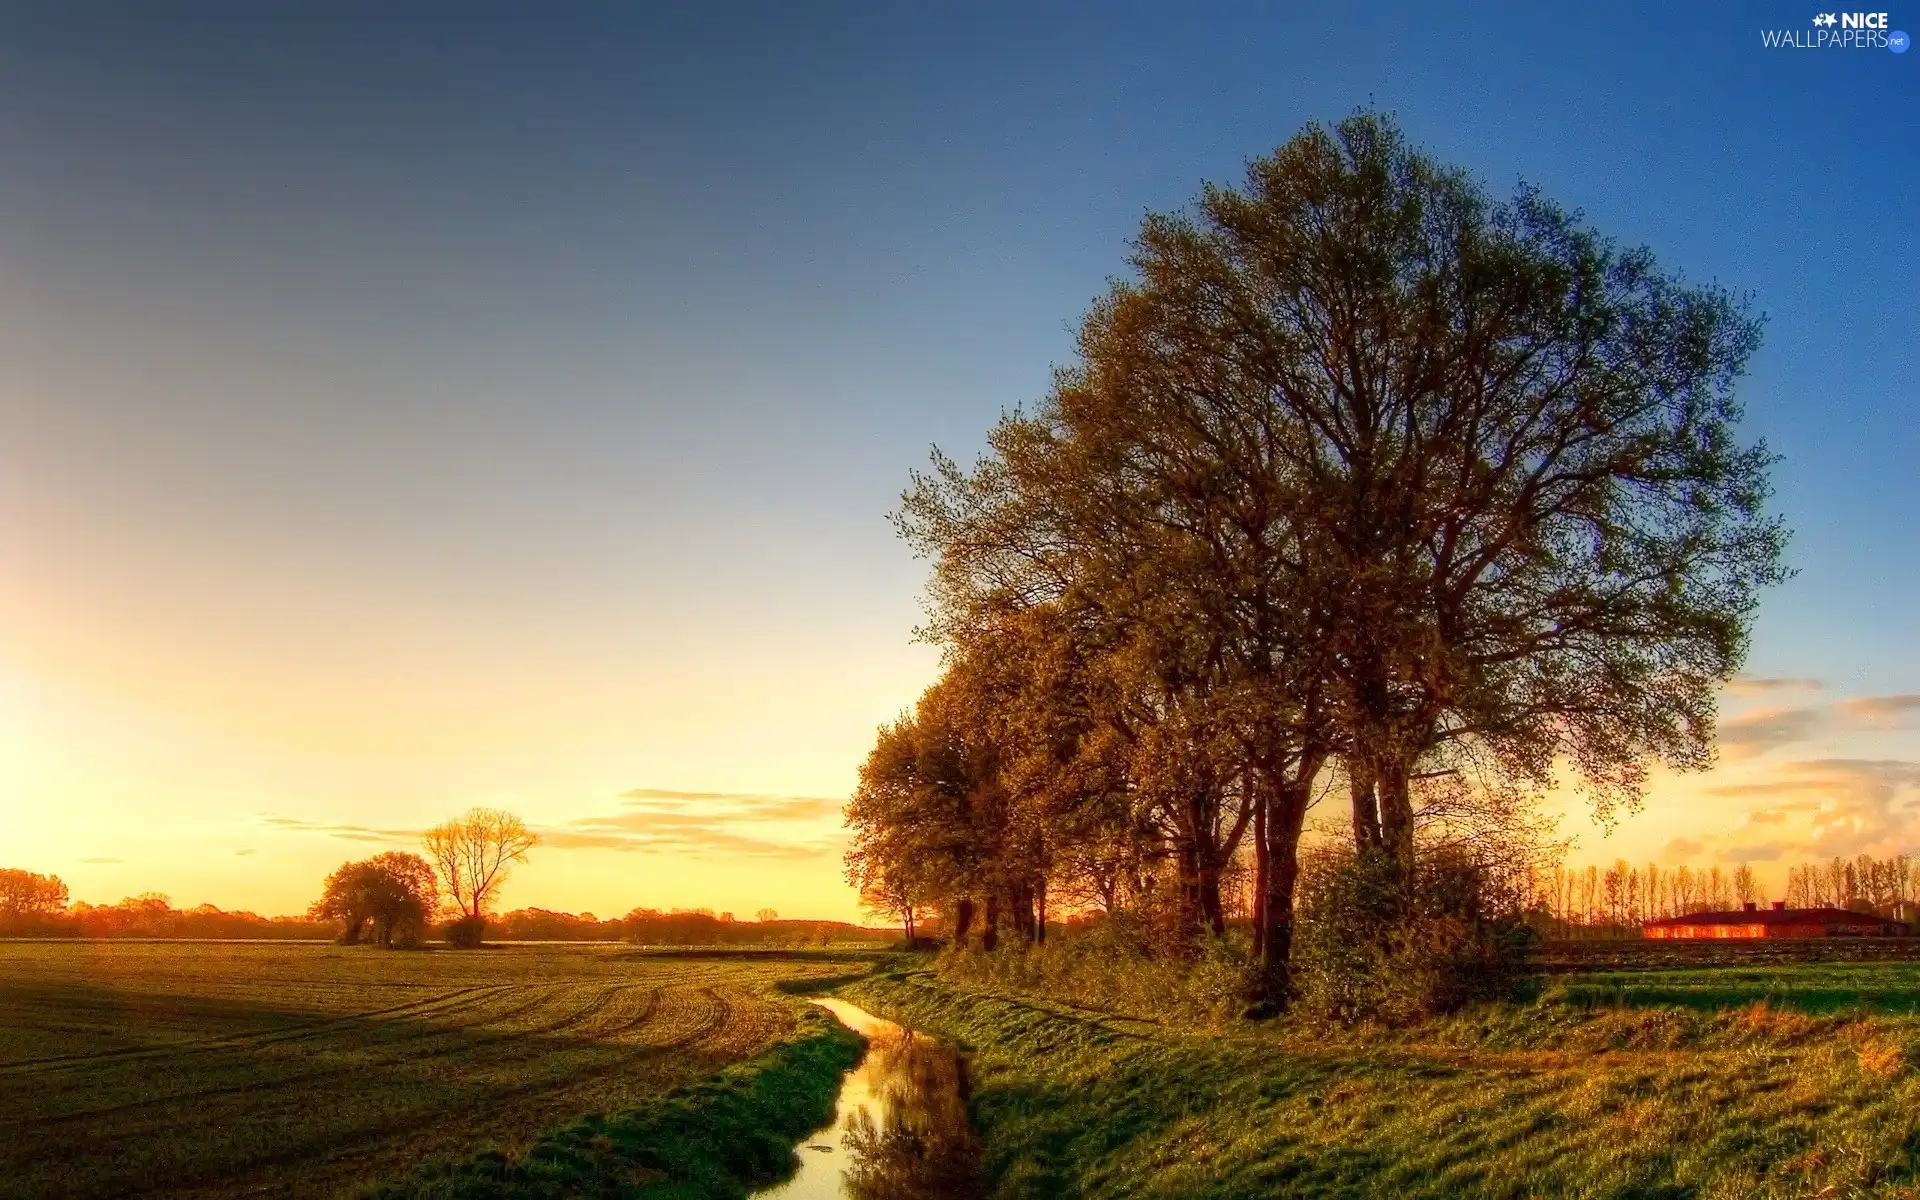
(1752, 921)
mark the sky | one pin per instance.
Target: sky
(407, 409)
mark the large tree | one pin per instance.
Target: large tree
(388, 897)
(1372, 465)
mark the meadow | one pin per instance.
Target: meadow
(225, 1069)
(1758, 1082)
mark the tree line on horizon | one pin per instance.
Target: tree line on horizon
(392, 899)
(1621, 898)
(1365, 484)
(37, 905)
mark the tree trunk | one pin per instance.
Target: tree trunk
(990, 928)
(1190, 914)
(1289, 801)
(1262, 872)
(1040, 912)
(1212, 911)
(1366, 809)
(1396, 810)
(962, 921)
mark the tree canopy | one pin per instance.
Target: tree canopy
(388, 897)
(1363, 471)
(473, 854)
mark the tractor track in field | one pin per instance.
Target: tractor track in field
(718, 1011)
(546, 995)
(647, 1013)
(430, 1006)
(391, 1130)
(252, 1075)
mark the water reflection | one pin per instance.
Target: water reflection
(900, 1129)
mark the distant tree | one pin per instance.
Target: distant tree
(766, 916)
(471, 856)
(1745, 890)
(389, 897)
(29, 902)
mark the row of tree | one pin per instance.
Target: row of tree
(1619, 899)
(33, 905)
(1366, 484)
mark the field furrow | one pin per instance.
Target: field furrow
(276, 1069)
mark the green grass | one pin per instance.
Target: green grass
(713, 1141)
(302, 1070)
(1882, 988)
(1545, 1099)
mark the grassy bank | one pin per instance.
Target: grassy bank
(719, 1138)
(1551, 1098)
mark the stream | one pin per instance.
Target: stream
(899, 1128)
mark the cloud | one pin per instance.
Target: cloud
(1753, 734)
(740, 805)
(1747, 686)
(1882, 712)
(1767, 816)
(696, 824)
(244, 853)
(1764, 852)
(1851, 804)
(351, 833)
(706, 825)
(102, 860)
(1683, 847)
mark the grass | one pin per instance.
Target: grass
(1549, 1098)
(1891, 988)
(303, 1070)
(716, 1139)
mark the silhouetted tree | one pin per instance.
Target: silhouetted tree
(389, 897)
(472, 855)
(29, 902)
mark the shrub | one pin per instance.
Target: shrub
(1115, 963)
(1374, 944)
(466, 933)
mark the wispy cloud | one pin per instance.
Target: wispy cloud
(1752, 734)
(737, 805)
(244, 853)
(1749, 686)
(1762, 852)
(351, 833)
(1683, 847)
(707, 824)
(698, 824)
(1882, 712)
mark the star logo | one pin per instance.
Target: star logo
(1827, 19)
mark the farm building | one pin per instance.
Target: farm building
(1752, 921)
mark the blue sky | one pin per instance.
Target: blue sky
(402, 410)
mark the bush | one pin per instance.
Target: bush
(466, 933)
(1115, 963)
(1372, 944)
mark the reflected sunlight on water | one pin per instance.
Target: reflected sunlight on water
(900, 1127)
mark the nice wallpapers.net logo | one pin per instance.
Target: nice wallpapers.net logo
(1840, 31)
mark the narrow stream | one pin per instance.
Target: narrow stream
(900, 1127)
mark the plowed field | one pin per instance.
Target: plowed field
(225, 1069)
